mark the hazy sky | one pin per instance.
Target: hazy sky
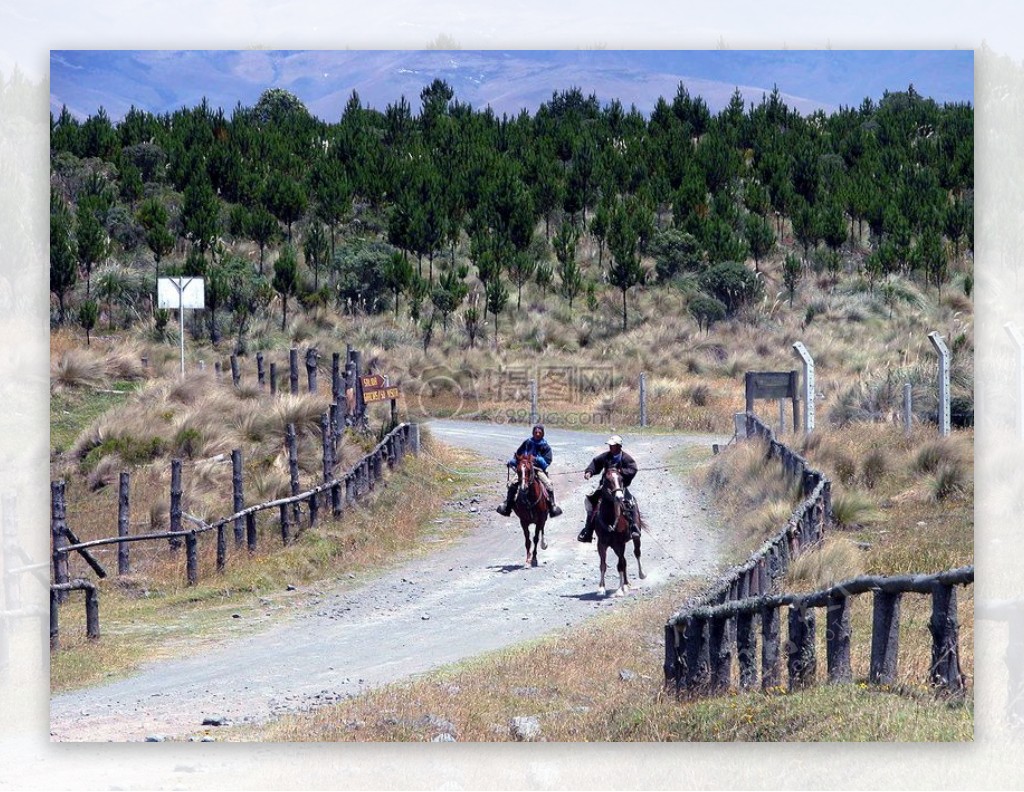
(507, 80)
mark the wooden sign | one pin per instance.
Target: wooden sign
(373, 381)
(381, 394)
(772, 385)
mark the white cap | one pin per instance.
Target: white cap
(614, 440)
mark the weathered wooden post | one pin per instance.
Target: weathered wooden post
(782, 416)
(236, 376)
(293, 472)
(260, 372)
(698, 654)
(945, 630)
(191, 558)
(908, 409)
(357, 370)
(809, 386)
(237, 494)
(643, 398)
(123, 521)
(534, 414)
(222, 548)
(394, 413)
(58, 526)
(55, 599)
(250, 531)
(337, 392)
(721, 654)
(175, 510)
(311, 362)
(350, 489)
(837, 640)
(746, 649)
(217, 370)
(328, 447)
(293, 371)
(335, 418)
(414, 438)
(943, 381)
(802, 658)
(92, 613)
(671, 664)
(273, 379)
(885, 637)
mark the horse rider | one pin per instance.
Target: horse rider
(540, 450)
(613, 457)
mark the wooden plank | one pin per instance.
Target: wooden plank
(885, 637)
(837, 640)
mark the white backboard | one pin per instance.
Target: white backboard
(192, 291)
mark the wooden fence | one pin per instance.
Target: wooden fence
(336, 493)
(702, 638)
(700, 643)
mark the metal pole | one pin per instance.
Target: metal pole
(181, 323)
(943, 412)
(643, 398)
(808, 362)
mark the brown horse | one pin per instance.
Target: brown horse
(531, 506)
(612, 527)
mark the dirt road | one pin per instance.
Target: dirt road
(471, 597)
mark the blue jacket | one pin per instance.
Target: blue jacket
(539, 448)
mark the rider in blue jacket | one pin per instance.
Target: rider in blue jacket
(541, 451)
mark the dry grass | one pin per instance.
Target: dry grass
(153, 614)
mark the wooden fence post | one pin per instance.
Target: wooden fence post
(698, 655)
(55, 598)
(261, 378)
(802, 660)
(237, 494)
(58, 525)
(175, 512)
(250, 531)
(191, 558)
(746, 649)
(217, 370)
(945, 630)
(236, 376)
(293, 370)
(337, 392)
(222, 548)
(328, 447)
(721, 654)
(311, 360)
(123, 521)
(885, 637)
(293, 472)
(837, 640)
(771, 674)
(671, 664)
(273, 379)
(92, 613)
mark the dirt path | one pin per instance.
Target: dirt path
(470, 598)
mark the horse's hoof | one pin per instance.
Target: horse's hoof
(622, 592)
(601, 592)
(543, 545)
(533, 561)
(642, 576)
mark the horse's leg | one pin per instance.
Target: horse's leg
(639, 566)
(620, 551)
(526, 539)
(602, 551)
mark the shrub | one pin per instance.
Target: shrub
(874, 467)
(852, 509)
(732, 283)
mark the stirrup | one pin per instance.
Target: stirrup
(504, 510)
(555, 510)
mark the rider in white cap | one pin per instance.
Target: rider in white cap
(613, 457)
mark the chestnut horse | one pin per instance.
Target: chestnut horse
(612, 528)
(531, 506)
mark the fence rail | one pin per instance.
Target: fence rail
(700, 643)
(702, 638)
(344, 491)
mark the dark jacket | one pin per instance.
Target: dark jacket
(539, 448)
(625, 463)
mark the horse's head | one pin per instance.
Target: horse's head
(613, 484)
(524, 469)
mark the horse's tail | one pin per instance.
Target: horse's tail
(641, 523)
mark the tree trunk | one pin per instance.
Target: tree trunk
(284, 312)
(623, 310)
